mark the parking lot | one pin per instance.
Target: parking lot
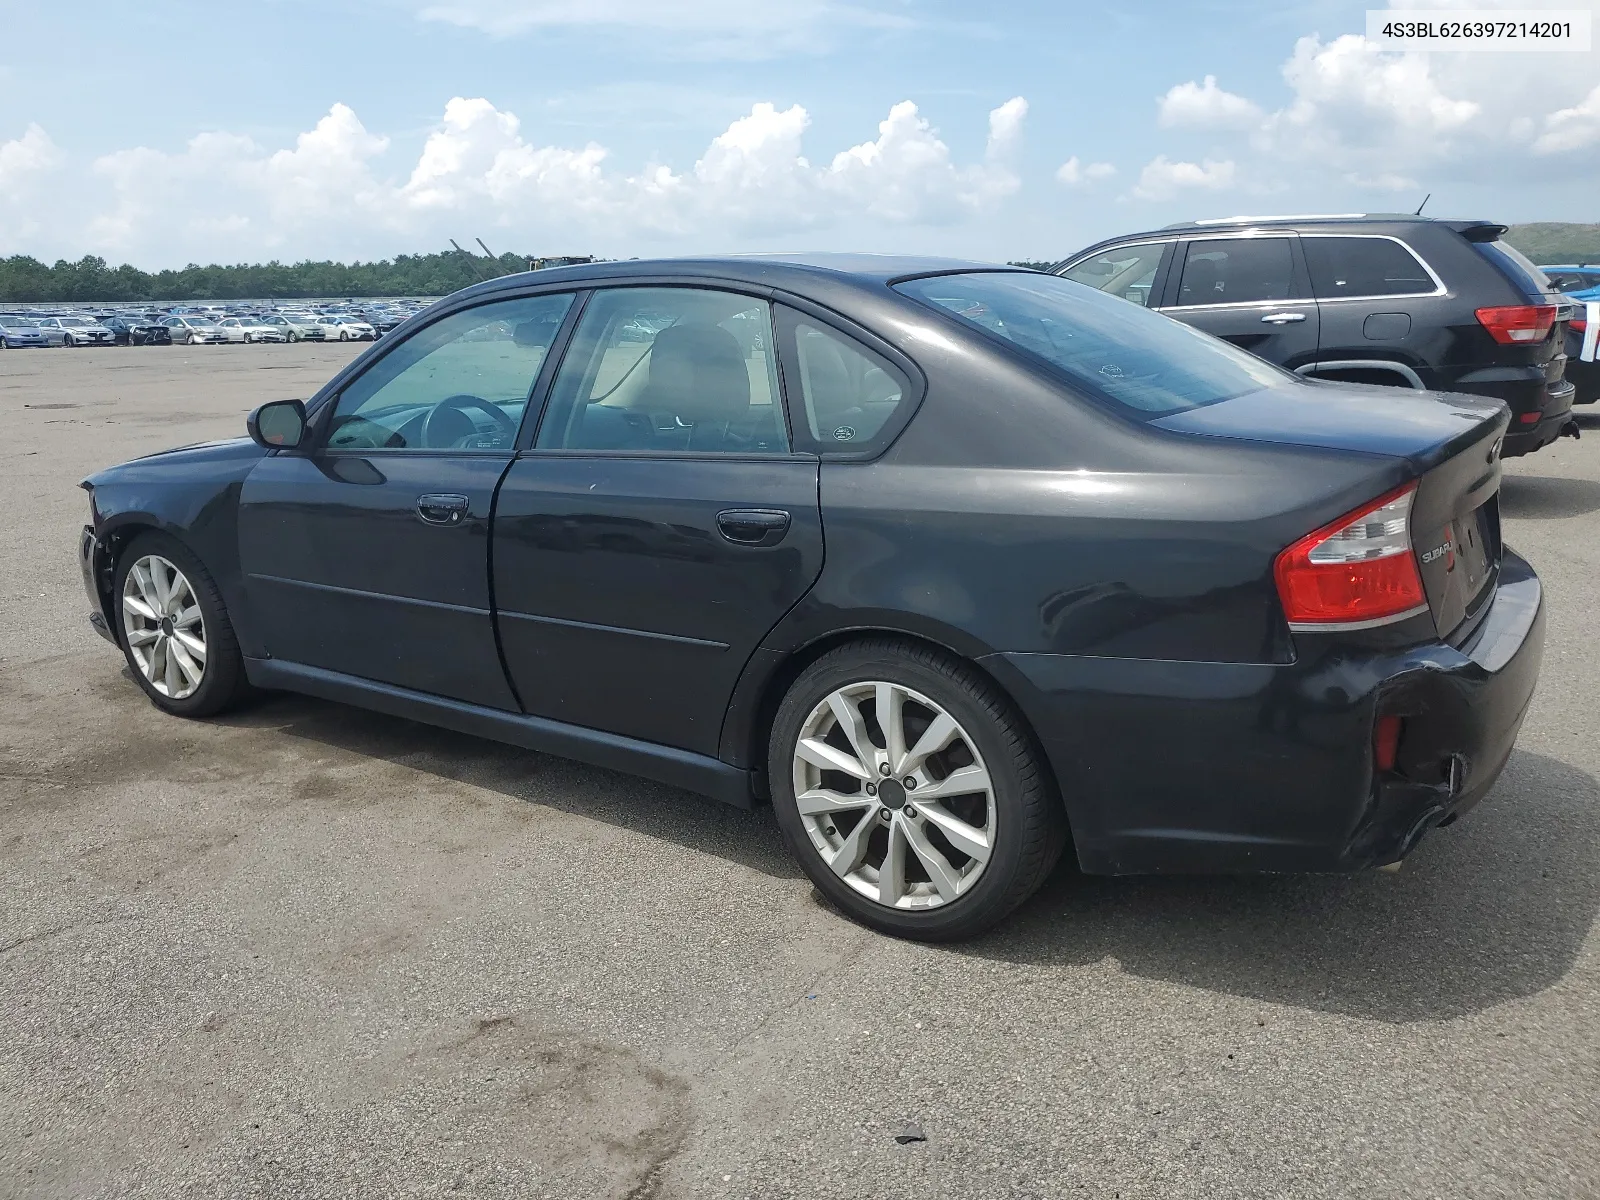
(309, 950)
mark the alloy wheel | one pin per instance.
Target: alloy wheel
(164, 628)
(894, 795)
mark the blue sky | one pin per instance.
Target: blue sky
(222, 132)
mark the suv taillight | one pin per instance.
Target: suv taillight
(1356, 572)
(1518, 324)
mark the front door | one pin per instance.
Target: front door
(1251, 291)
(369, 554)
(661, 526)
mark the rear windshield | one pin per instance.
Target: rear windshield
(1142, 362)
(1515, 266)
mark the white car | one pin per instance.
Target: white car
(347, 329)
(76, 331)
(192, 330)
(249, 329)
(296, 327)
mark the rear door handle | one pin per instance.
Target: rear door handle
(753, 526)
(442, 508)
(1282, 318)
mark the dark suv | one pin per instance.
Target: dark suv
(1407, 301)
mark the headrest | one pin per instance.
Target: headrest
(698, 373)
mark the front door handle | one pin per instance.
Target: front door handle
(1282, 318)
(753, 526)
(442, 508)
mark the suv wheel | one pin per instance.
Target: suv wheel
(910, 793)
(175, 630)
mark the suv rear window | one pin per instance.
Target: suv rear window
(1516, 267)
(1139, 361)
(1363, 266)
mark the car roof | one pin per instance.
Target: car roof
(764, 270)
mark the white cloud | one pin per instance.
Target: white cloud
(339, 192)
(713, 28)
(1162, 179)
(27, 164)
(1073, 173)
(1571, 128)
(30, 155)
(1206, 106)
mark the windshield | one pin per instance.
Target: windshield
(1138, 360)
(77, 322)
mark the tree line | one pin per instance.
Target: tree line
(92, 279)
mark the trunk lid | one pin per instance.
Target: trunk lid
(1450, 442)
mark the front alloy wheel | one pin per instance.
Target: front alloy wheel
(894, 795)
(164, 628)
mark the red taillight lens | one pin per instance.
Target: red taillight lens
(1386, 742)
(1531, 418)
(1578, 324)
(1518, 324)
(1356, 572)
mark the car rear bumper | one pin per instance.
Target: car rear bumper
(1540, 407)
(1170, 766)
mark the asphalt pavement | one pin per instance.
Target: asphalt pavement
(307, 950)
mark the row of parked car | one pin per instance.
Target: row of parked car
(1387, 299)
(198, 325)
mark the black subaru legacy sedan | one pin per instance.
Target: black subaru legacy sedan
(954, 564)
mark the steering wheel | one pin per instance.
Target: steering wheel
(434, 428)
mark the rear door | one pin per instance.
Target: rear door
(1379, 302)
(661, 525)
(1250, 290)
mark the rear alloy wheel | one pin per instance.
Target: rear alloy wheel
(910, 792)
(175, 632)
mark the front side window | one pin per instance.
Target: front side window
(1140, 361)
(1126, 271)
(461, 383)
(1236, 271)
(1363, 266)
(669, 370)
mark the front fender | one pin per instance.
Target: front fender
(193, 496)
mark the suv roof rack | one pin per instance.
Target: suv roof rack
(1283, 217)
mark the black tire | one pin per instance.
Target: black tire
(68, 340)
(224, 684)
(1030, 824)
(293, 336)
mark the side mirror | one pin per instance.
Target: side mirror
(279, 425)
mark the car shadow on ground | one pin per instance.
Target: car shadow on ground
(1540, 497)
(1489, 910)
(749, 838)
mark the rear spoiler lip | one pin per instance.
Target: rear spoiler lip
(1478, 231)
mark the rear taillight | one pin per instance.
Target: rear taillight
(1518, 324)
(1578, 324)
(1356, 572)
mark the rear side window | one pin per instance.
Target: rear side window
(849, 396)
(1514, 265)
(1364, 266)
(1139, 361)
(1237, 271)
(1126, 271)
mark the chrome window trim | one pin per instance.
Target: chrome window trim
(1439, 288)
(1156, 241)
(1236, 304)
